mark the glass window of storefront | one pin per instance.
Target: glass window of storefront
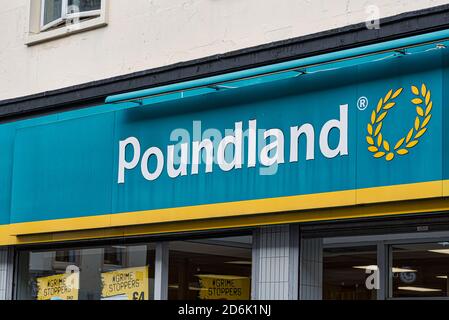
(116, 272)
(220, 268)
(389, 266)
(345, 272)
(216, 269)
(420, 270)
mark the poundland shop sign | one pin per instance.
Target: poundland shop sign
(268, 154)
(302, 141)
(268, 146)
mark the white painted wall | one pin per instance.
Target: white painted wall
(144, 34)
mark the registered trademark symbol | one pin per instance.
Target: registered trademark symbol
(362, 103)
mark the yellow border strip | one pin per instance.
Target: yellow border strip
(315, 207)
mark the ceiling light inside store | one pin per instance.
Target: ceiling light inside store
(196, 289)
(370, 267)
(394, 269)
(442, 251)
(239, 262)
(418, 289)
(402, 270)
(120, 247)
(175, 286)
(442, 277)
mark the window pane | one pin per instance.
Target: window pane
(84, 5)
(214, 269)
(420, 270)
(347, 271)
(106, 273)
(52, 10)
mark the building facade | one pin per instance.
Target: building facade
(201, 149)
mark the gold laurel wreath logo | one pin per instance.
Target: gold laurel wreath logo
(378, 145)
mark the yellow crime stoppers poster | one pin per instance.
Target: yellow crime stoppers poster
(59, 287)
(223, 287)
(125, 284)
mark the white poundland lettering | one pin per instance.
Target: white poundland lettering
(230, 152)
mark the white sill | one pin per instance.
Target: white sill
(65, 31)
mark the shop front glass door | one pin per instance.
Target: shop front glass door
(349, 273)
(420, 270)
(210, 269)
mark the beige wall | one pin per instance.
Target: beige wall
(144, 34)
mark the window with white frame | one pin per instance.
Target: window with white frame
(53, 19)
(57, 12)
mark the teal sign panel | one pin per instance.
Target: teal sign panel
(363, 126)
